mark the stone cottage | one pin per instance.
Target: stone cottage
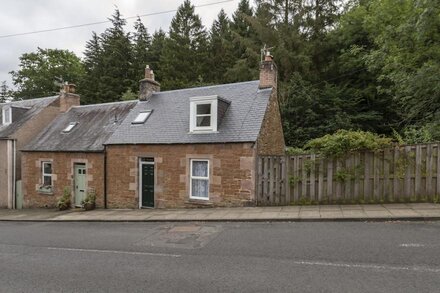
(20, 122)
(70, 154)
(192, 147)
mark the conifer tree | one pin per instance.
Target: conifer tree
(141, 49)
(90, 83)
(4, 92)
(156, 48)
(245, 52)
(109, 64)
(185, 51)
(221, 49)
(117, 61)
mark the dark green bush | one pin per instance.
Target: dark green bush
(345, 141)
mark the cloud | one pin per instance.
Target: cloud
(25, 16)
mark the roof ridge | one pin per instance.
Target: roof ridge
(106, 104)
(27, 100)
(208, 86)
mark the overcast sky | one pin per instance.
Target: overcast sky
(20, 16)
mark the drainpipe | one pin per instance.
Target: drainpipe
(14, 176)
(105, 177)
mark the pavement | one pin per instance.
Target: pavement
(380, 212)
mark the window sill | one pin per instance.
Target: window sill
(45, 191)
(203, 131)
(199, 202)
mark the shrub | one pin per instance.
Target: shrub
(345, 141)
(419, 134)
(292, 151)
(90, 200)
(64, 201)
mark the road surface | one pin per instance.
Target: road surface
(220, 257)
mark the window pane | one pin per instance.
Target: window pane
(47, 180)
(7, 115)
(200, 168)
(200, 188)
(141, 117)
(204, 121)
(47, 168)
(70, 127)
(203, 109)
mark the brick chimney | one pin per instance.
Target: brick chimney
(148, 85)
(68, 98)
(268, 72)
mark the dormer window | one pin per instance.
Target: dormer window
(6, 115)
(70, 127)
(203, 114)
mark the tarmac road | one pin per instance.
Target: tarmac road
(220, 257)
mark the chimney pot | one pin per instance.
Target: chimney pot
(268, 71)
(68, 98)
(69, 88)
(148, 85)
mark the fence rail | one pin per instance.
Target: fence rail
(398, 174)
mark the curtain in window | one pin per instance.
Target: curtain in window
(200, 186)
(200, 169)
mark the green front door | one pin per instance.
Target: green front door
(147, 184)
(80, 183)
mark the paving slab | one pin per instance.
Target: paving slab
(354, 215)
(331, 215)
(351, 207)
(424, 205)
(310, 208)
(373, 207)
(427, 212)
(397, 206)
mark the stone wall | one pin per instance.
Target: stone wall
(63, 176)
(31, 129)
(271, 138)
(232, 174)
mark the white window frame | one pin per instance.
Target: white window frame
(213, 102)
(197, 178)
(9, 109)
(46, 174)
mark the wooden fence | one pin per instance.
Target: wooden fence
(402, 173)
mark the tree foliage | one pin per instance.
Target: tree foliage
(185, 50)
(343, 142)
(368, 65)
(40, 72)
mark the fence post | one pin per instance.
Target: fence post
(287, 167)
(312, 177)
(438, 169)
(429, 170)
(320, 179)
(418, 178)
(396, 178)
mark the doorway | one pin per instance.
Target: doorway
(146, 180)
(80, 183)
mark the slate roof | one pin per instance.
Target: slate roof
(96, 123)
(169, 121)
(30, 108)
